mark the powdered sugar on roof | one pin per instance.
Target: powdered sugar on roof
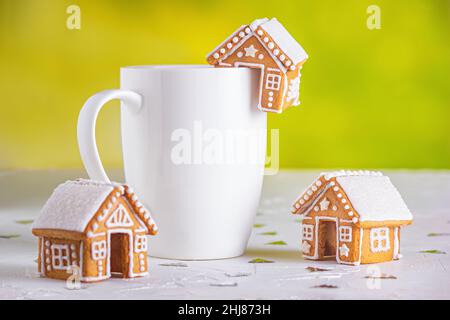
(374, 197)
(73, 204)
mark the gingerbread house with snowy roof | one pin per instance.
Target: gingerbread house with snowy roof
(99, 228)
(265, 44)
(352, 216)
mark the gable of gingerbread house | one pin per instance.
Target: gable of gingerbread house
(366, 196)
(283, 49)
(74, 205)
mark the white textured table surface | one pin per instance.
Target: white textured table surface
(417, 276)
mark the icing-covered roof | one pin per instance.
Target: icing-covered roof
(371, 194)
(284, 48)
(284, 40)
(74, 203)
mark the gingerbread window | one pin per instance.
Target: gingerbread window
(60, 256)
(345, 234)
(308, 232)
(379, 239)
(99, 250)
(273, 82)
(141, 243)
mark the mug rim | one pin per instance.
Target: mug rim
(184, 67)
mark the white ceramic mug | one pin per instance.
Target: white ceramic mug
(204, 207)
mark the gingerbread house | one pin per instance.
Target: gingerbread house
(352, 216)
(265, 44)
(97, 227)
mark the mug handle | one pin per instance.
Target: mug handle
(86, 128)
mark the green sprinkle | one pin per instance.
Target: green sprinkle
(433, 234)
(260, 260)
(258, 225)
(433, 251)
(24, 221)
(277, 243)
(270, 233)
(9, 236)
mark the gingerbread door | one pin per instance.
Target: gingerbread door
(120, 255)
(327, 239)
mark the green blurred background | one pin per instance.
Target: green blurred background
(370, 98)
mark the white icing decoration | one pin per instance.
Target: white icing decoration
(216, 55)
(308, 231)
(324, 204)
(266, 39)
(293, 91)
(292, 68)
(260, 32)
(344, 250)
(60, 256)
(222, 50)
(98, 250)
(235, 39)
(287, 63)
(250, 51)
(276, 52)
(140, 243)
(271, 45)
(379, 239)
(316, 208)
(334, 208)
(119, 218)
(261, 56)
(350, 213)
(345, 234)
(355, 219)
(229, 45)
(247, 30)
(282, 57)
(240, 54)
(270, 93)
(269, 104)
(318, 183)
(346, 207)
(306, 247)
(241, 34)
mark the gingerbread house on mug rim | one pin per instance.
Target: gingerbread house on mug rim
(98, 227)
(265, 44)
(352, 216)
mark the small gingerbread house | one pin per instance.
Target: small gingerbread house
(265, 44)
(98, 227)
(352, 216)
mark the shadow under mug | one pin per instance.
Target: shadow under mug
(194, 145)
